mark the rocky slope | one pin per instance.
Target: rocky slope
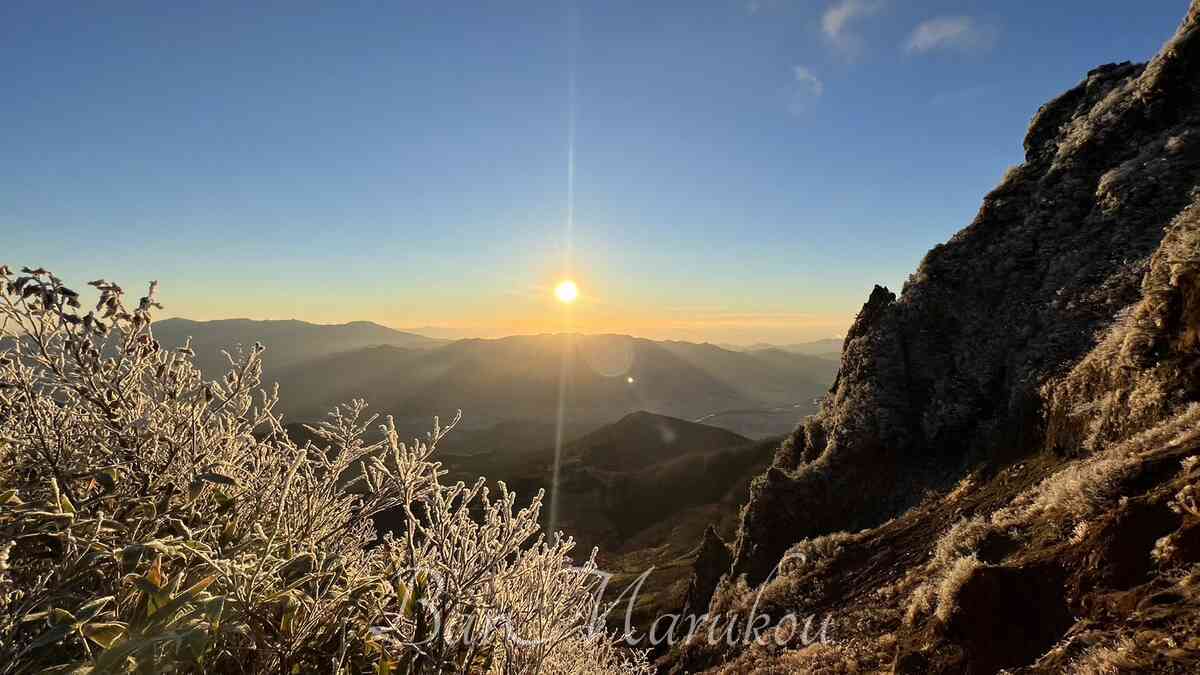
(1020, 412)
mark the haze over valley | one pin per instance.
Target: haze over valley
(515, 381)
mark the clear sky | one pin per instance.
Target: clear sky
(745, 170)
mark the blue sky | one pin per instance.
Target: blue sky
(744, 170)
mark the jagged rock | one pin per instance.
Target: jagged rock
(1187, 543)
(711, 564)
(1046, 361)
(948, 374)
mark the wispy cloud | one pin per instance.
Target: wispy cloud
(809, 80)
(756, 6)
(837, 22)
(959, 33)
(804, 88)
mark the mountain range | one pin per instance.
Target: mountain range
(830, 348)
(516, 380)
(290, 341)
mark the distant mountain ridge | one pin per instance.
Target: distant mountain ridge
(513, 379)
(829, 348)
(288, 341)
(518, 378)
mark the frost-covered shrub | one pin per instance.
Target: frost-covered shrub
(151, 521)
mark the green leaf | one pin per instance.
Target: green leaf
(98, 602)
(50, 515)
(229, 533)
(288, 621)
(214, 609)
(155, 597)
(201, 585)
(196, 643)
(165, 611)
(406, 598)
(55, 634)
(35, 616)
(116, 659)
(155, 575)
(104, 634)
(89, 611)
(69, 669)
(61, 616)
(298, 566)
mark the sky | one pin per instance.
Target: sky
(729, 171)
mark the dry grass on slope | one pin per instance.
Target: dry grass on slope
(1147, 363)
(1111, 541)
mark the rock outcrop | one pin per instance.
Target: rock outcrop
(1017, 433)
(712, 562)
(948, 374)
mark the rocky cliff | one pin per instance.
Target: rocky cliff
(1022, 405)
(949, 372)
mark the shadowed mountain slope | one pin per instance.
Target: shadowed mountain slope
(289, 342)
(825, 348)
(623, 478)
(518, 379)
(641, 439)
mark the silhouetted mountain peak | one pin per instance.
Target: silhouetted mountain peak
(642, 438)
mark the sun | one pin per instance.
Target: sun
(566, 291)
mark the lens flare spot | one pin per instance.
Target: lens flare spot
(566, 291)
